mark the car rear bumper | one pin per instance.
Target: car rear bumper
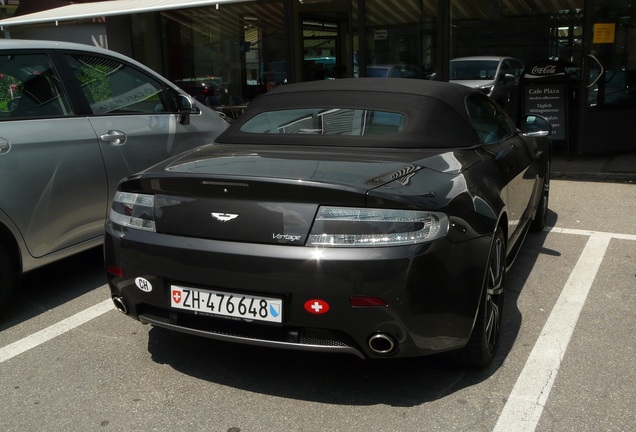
(431, 291)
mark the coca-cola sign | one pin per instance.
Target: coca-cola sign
(544, 70)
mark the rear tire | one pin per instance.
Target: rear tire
(480, 350)
(541, 216)
(7, 277)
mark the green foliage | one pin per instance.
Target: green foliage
(96, 79)
(8, 91)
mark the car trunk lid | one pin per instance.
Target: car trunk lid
(245, 210)
(269, 195)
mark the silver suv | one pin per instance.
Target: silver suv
(498, 77)
(74, 120)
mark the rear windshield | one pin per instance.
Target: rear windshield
(326, 121)
(354, 119)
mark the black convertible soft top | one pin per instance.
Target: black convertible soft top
(434, 112)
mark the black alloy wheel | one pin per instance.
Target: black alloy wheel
(484, 340)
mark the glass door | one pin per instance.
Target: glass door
(326, 42)
(321, 50)
(609, 78)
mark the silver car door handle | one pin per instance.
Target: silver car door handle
(114, 137)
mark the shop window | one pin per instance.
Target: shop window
(236, 51)
(528, 32)
(401, 39)
(611, 80)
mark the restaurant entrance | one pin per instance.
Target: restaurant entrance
(608, 93)
(327, 43)
(593, 41)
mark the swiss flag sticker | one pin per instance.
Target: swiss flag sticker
(176, 296)
(316, 306)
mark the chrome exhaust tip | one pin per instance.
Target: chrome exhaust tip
(120, 305)
(382, 343)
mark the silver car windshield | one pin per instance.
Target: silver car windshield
(473, 69)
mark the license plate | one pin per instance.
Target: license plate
(226, 304)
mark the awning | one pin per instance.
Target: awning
(107, 8)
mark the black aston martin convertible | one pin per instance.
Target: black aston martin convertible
(375, 217)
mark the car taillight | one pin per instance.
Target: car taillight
(358, 301)
(367, 227)
(133, 210)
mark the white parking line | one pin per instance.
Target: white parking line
(55, 330)
(530, 393)
(617, 236)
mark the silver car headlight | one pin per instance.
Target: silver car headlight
(133, 210)
(368, 227)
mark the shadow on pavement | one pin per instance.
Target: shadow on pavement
(342, 379)
(53, 285)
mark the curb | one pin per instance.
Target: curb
(597, 177)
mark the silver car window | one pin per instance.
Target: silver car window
(30, 88)
(506, 68)
(473, 69)
(112, 87)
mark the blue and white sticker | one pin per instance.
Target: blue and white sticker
(143, 284)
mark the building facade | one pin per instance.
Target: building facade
(244, 47)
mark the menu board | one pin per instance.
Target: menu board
(548, 100)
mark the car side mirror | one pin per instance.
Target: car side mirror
(536, 126)
(186, 107)
(507, 77)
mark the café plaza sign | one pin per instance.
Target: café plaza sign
(545, 94)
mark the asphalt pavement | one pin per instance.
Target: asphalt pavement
(606, 167)
(70, 362)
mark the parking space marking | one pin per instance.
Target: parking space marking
(573, 231)
(529, 395)
(57, 329)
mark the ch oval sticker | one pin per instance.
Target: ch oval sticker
(316, 306)
(143, 284)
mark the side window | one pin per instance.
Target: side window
(518, 67)
(112, 87)
(512, 67)
(490, 123)
(506, 68)
(30, 88)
